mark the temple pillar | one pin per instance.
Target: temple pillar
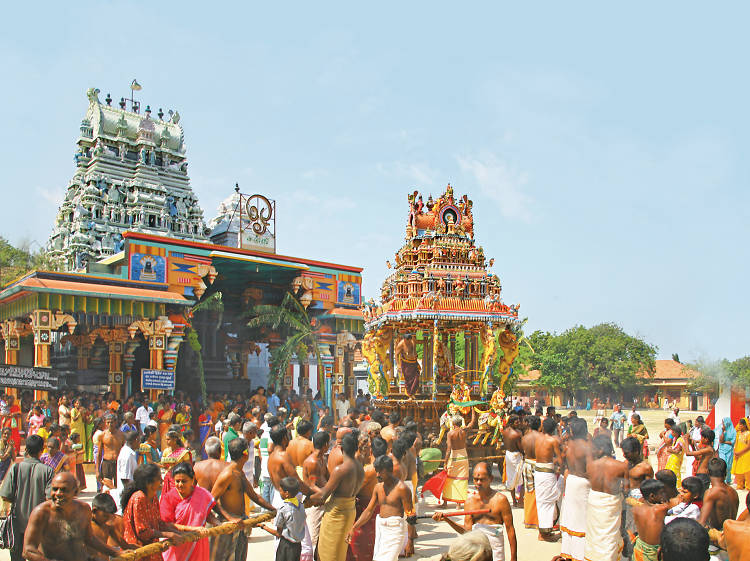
(116, 378)
(327, 375)
(128, 361)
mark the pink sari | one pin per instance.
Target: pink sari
(191, 511)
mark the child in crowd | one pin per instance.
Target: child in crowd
(669, 479)
(649, 519)
(106, 525)
(603, 428)
(290, 522)
(76, 460)
(691, 500)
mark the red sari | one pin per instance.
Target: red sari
(190, 511)
(142, 522)
(11, 421)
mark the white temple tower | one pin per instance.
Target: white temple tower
(131, 174)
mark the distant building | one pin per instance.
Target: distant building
(671, 381)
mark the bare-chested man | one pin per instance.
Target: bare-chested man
(638, 470)
(315, 474)
(362, 541)
(705, 452)
(301, 446)
(457, 466)
(388, 432)
(720, 501)
(736, 536)
(229, 492)
(60, 528)
(342, 486)
(547, 482)
(394, 500)
(406, 357)
(649, 519)
(112, 442)
(107, 525)
(490, 524)
(206, 471)
(603, 515)
(280, 465)
(528, 445)
(513, 458)
(335, 455)
(578, 454)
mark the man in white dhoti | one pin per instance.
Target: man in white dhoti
(604, 509)
(577, 487)
(491, 524)
(394, 499)
(547, 481)
(513, 458)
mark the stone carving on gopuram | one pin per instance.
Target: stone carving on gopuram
(131, 174)
(439, 298)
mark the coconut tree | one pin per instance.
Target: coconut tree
(300, 333)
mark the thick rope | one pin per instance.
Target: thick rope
(194, 536)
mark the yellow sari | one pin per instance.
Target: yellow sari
(674, 461)
(741, 464)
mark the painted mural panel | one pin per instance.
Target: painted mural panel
(149, 268)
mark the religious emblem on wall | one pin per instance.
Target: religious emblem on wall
(150, 268)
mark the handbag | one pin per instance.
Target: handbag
(7, 539)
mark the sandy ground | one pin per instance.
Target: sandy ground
(434, 538)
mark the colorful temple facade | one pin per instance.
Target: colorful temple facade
(134, 259)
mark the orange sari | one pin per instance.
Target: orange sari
(165, 420)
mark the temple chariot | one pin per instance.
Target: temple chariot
(441, 341)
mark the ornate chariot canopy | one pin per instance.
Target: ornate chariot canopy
(440, 288)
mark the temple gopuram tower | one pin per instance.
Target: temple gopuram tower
(131, 174)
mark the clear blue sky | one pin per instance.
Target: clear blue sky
(602, 145)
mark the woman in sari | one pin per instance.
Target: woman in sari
(638, 431)
(666, 441)
(676, 453)
(741, 464)
(727, 438)
(149, 449)
(140, 511)
(12, 420)
(182, 416)
(205, 428)
(175, 453)
(164, 417)
(187, 505)
(88, 444)
(77, 424)
(7, 452)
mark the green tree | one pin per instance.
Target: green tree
(17, 261)
(300, 335)
(601, 358)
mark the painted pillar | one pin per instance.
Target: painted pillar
(434, 360)
(115, 368)
(327, 374)
(128, 360)
(42, 343)
(156, 345)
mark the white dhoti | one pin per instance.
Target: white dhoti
(513, 463)
(603, 538)
(494, 533)
(573, 517)
(314, 516)
(547, 493)
(390, 534)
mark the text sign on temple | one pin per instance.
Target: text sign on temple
(157, 379)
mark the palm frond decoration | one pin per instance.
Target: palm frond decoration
(290, 320)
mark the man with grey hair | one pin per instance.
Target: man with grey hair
(206, 471)
(249, 432)
(471, 546)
